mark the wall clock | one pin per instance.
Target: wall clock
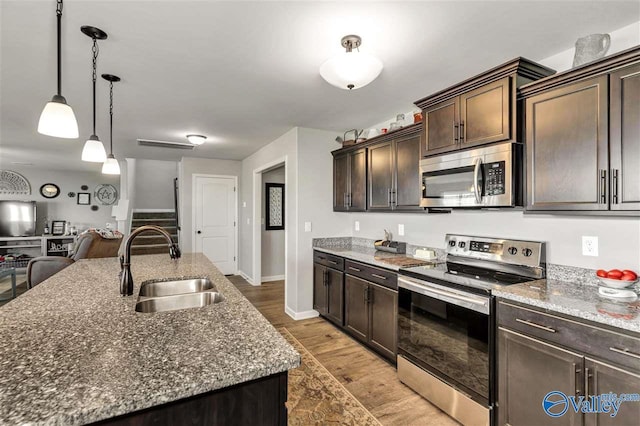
(106, 194)
(49, 190)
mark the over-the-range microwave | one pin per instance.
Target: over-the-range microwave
(486, 177)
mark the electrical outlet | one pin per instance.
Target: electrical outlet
(401, 229)
(589, 246)
(357, 225)
(307, 227)
(244, 204)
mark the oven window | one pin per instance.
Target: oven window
(450, 341)
(450, 184)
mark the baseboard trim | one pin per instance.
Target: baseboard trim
(273, 278)
(301, 315)
(246, 277)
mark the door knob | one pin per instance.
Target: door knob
(199, 232)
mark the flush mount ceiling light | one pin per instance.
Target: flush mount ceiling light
(93, 150)
(57, 118)
(111, 166)
(196, 139)
(351, 69)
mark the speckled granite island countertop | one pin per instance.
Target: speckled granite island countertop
(73, 351)
(578, 300)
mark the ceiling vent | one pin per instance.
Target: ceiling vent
(165, 144)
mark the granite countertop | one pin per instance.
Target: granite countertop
(73, 351)
(370, 256)
(578, 300)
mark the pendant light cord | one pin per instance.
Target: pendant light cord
(59, 21)
(111, 116)
(95, 65)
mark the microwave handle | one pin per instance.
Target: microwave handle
(477, 191)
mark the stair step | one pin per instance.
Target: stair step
(170, 227)
(139, 241)
(154, 215)
(149, 250)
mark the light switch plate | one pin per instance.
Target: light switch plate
(356, 225)
(400, 229)
(244, 204)
(307, 227)
(589, 246)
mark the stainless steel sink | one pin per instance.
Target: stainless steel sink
(174, 287)
(175, 303)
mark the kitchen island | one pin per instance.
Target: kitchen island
(74, 351)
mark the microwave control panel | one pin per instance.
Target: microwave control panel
(494, 178)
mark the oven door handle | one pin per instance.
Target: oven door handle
(473, 302)
(477, 191)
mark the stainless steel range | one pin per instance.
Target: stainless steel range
(446, 321)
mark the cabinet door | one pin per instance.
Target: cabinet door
(567, 147)
(357, 197)
(340, 182)
(485, 114)
(380, 176)
(602, 379)
(528, 369)
(625, 138)
(383, 313)
(320, 288)
(407, 188)
(356, 307)
(335, 296)
(440, 123)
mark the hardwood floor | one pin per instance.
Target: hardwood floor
(367, 376)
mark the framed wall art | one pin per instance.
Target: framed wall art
(274, 197)
(84, 198)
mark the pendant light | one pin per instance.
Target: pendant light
(111, 166)
(351, 69)
(57, 118)
(93, 150)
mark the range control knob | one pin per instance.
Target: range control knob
(462, 244)
(527, 252)
(452, 243)
(512, 251)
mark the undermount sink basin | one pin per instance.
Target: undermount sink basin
(174, 287)
(182, 301)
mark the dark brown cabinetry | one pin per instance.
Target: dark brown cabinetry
(350, 181)
(583, 138)
(540, 352)
(328, 287)
(394, 175)
(478, 111)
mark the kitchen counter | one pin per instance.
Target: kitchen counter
(578, 300)
(73, 351)
(371, 256)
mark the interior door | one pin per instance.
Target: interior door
(215, 221)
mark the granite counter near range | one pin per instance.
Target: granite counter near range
(73, 351)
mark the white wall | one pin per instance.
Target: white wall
(272, 241)
(63, 207)
(187, 168)
(154, 184)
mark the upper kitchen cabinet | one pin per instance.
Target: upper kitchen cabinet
(478, 111)
(350, 180)
(583, 138)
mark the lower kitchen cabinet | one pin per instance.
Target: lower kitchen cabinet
(328, 293)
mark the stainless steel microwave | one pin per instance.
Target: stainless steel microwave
(489, 176)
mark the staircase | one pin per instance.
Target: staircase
(153, 243)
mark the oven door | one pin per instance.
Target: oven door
(447, 332)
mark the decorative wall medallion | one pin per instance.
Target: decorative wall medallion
(84, 198)
(106, 194)
(49, 190)
(13, 183)
(84, 187)
(71, 194)
(94, 208)
(275, 206)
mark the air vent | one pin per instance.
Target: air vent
(165, 144)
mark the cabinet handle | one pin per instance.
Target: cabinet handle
(394, 198)
(344, 200)
(325, 277)
(349, 200)
(379, 276)
(533, 324)
(462, 131)
(333, 262)
(354, 269)
(455, 132)
(603, 186)
(389, 197)
(364, 295)
(587, 380)
(625, 352)
(577, 379)
(614, 186)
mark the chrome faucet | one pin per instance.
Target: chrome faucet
(126, 279)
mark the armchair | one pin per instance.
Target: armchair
(90, 245)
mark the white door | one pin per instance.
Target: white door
(215, 221)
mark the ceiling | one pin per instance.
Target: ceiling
(243, 73)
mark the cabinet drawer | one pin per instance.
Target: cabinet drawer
(383, 277)
(326, 259)
(610, 345)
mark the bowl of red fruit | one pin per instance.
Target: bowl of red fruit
(616, 278)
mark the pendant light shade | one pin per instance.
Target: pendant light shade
(351, 69)
(57, 118)
(93, 150)
(111, 166)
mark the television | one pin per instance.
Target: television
(17, 218)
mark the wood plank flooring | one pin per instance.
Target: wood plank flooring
(367, 376)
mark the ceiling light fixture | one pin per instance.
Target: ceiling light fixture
(351, 70)
(196, 139)
(93, 150)
(57, 118)
(111, 166)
